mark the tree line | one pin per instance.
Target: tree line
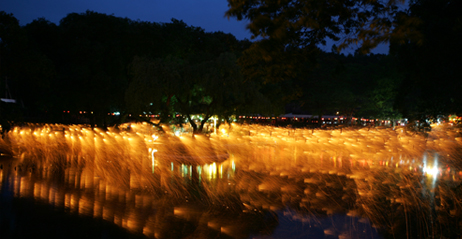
(97, 64)
(419, 77)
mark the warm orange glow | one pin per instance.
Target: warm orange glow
(103, 172)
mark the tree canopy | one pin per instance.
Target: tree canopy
(306, 23)
(430, 58)
(422, 34)
(96, 64)
(168, 86)
(92, 64)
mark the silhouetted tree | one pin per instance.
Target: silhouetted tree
(429, 56)
(169, 86)
(12, 50)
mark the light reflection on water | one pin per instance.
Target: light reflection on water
(258, 182)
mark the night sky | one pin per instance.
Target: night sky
(207, 14)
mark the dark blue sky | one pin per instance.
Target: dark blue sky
(207, 14)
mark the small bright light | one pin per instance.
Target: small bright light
(153, 159)
(431, 171)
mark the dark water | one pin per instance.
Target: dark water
(222, 200)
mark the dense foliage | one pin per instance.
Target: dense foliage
(419, 79)
(92, 64)
(430, 58)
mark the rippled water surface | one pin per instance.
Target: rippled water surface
(245, 182)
